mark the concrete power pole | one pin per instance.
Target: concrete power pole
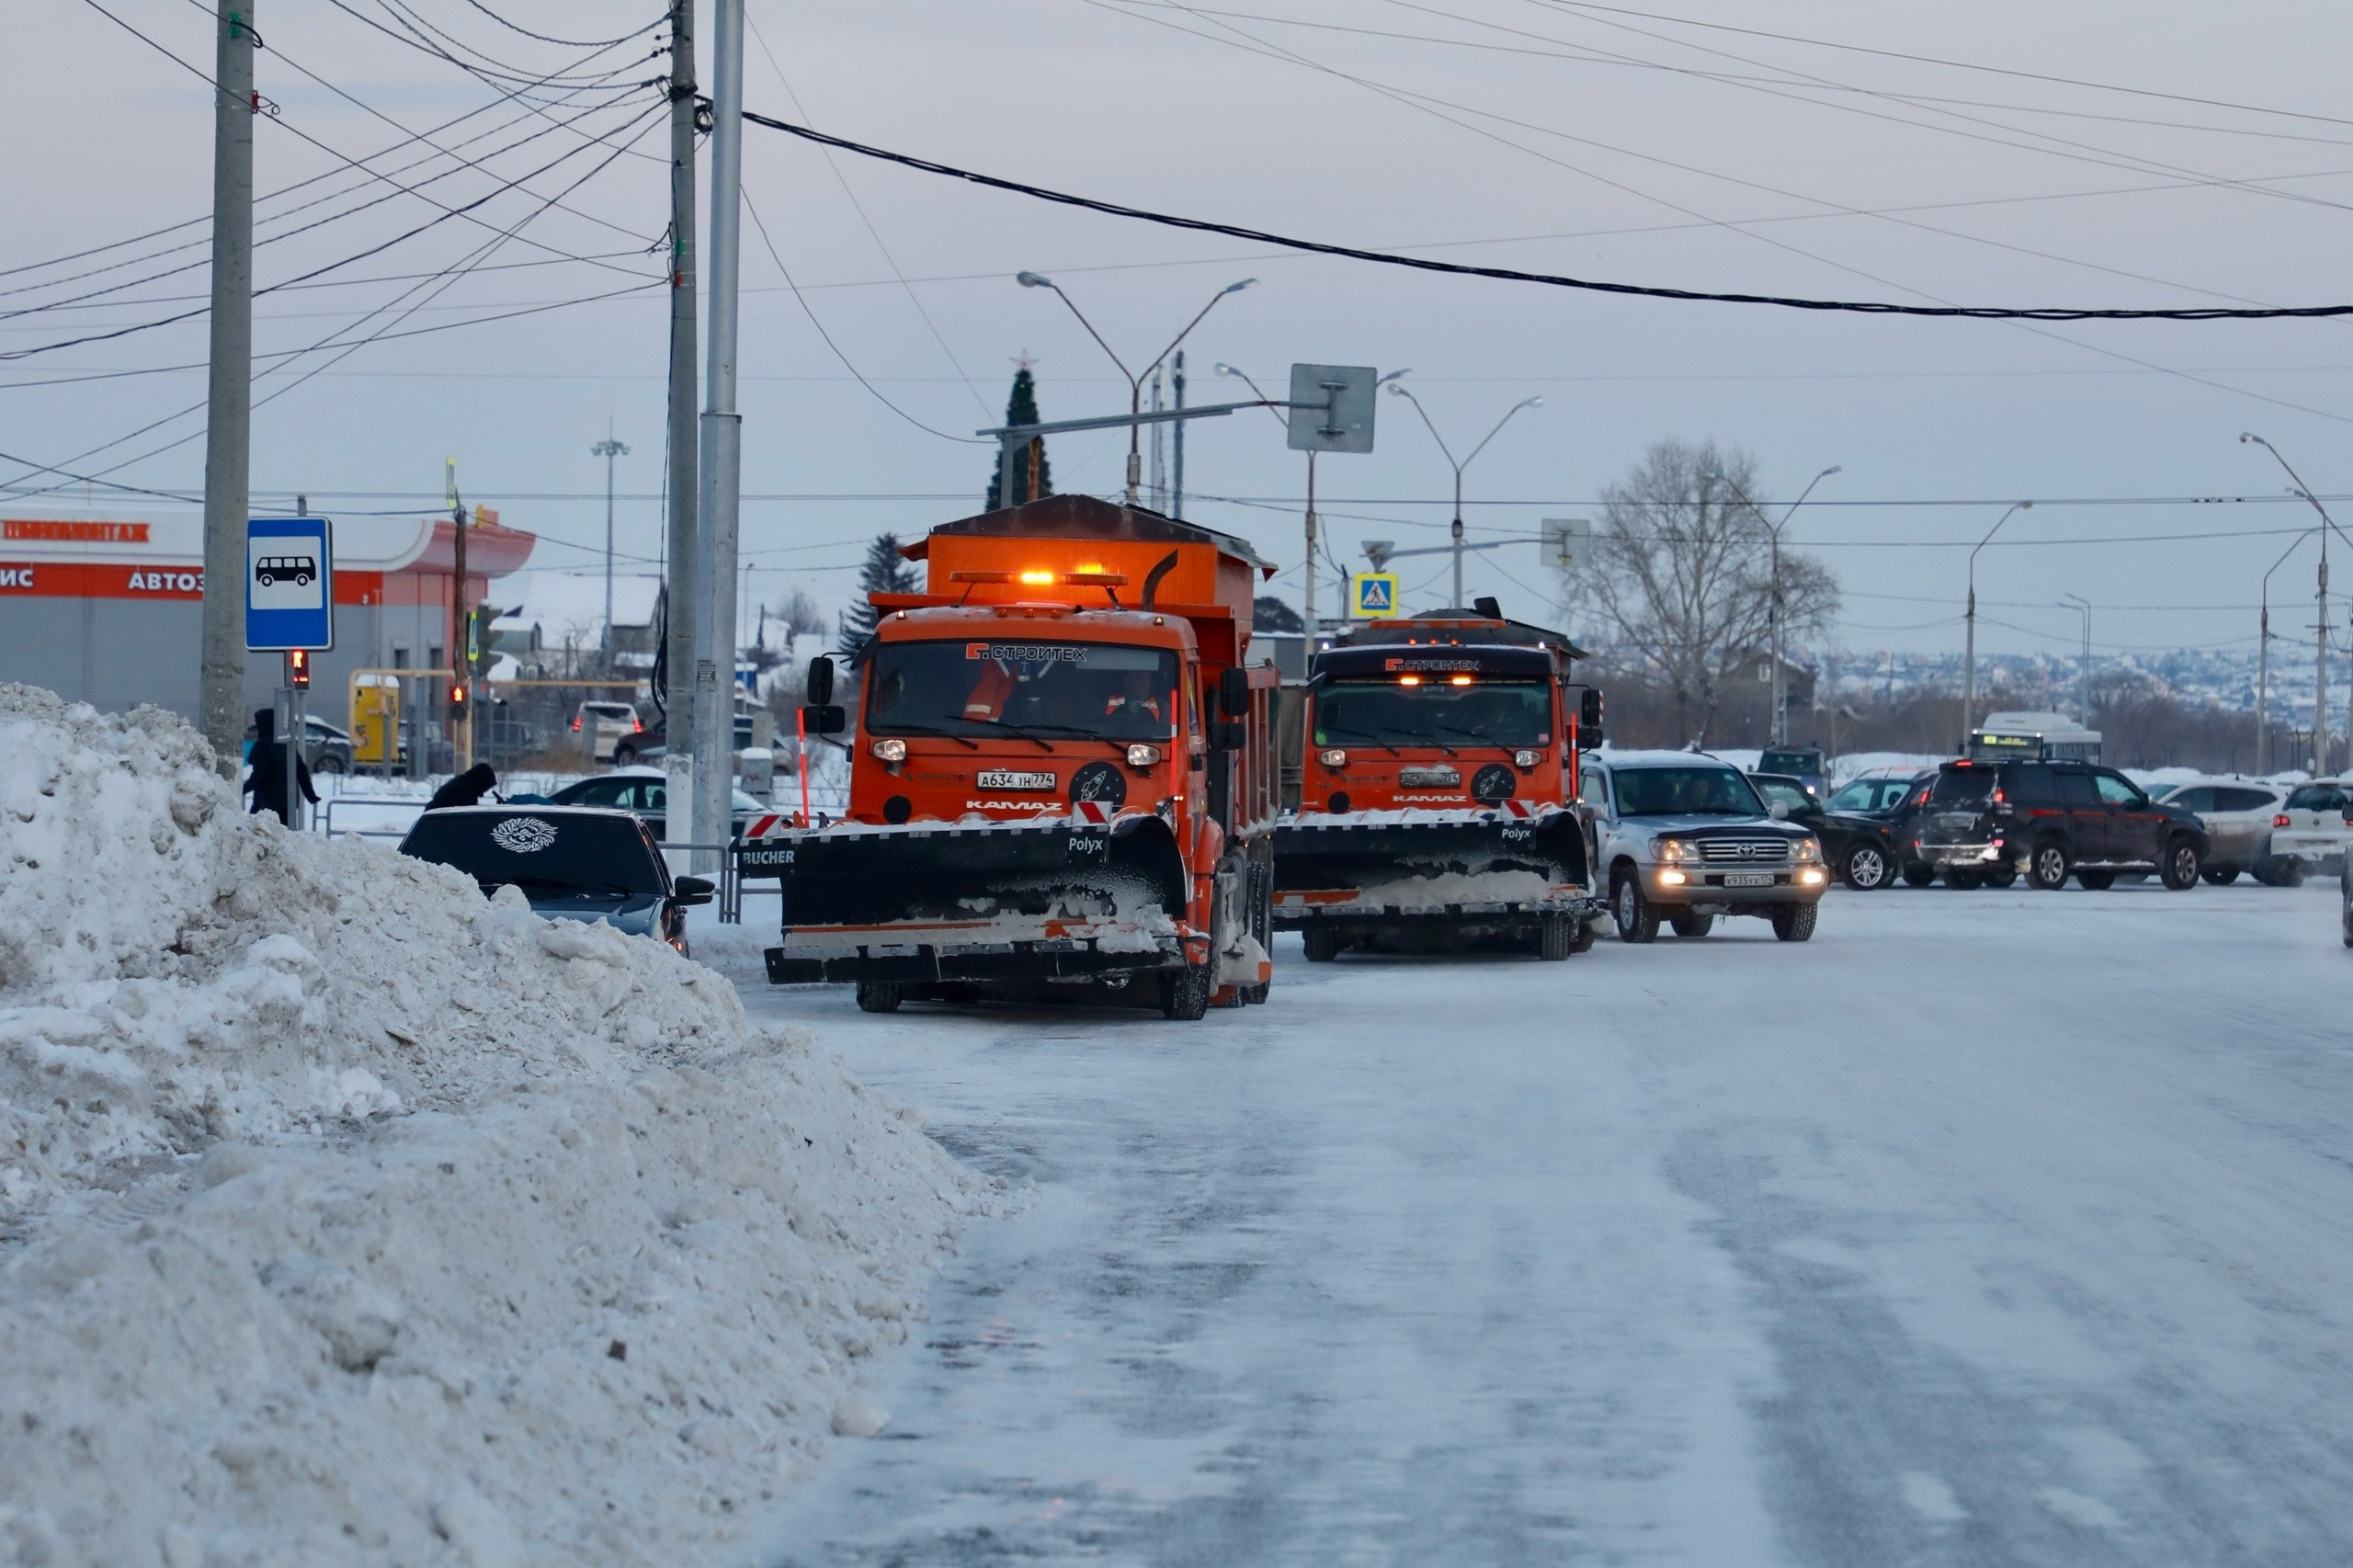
(609, 449)
(723, 446)
(2320, 669)
(228, 440)
(678, 702)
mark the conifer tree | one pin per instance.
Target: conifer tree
(1021, 408)
(884, 570)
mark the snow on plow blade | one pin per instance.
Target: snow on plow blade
(1456, 865)
(1004, 901)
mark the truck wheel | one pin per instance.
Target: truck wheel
(1556, 937)
(877, 996)
(1584, 934)
(1322, 945)
(1794, 922)
(1637, 916)
(2047, 869)
(2097, 881)
(1185, 993)
(2182, 864)
(2221, 876)
(1687, 923)
(1866, 868)
(1918, 874)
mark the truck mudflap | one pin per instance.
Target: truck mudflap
(1515, 863)
(1048, 899)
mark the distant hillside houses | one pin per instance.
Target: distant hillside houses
(552, 624)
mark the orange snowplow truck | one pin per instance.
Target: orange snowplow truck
(1062, 780)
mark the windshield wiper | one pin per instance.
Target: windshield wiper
(1039, 741)
(928, 730)
(1476, 736)
(1079, 731)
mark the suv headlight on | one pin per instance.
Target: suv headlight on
(1671, 851)
(1809, 851)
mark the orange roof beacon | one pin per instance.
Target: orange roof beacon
(1438, 800)
(1063, 781)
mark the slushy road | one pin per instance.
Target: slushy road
(1988, 1228)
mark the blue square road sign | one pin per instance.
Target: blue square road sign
(290, 584)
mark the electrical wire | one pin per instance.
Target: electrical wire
(1512, 275)
(570, 43)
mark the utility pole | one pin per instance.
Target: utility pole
(609, 449)
(1456, 533)
(1177, 438)
(1968, 658)
(722, 446)
(1159, 464)
(2320, 667)
(678, 591)
(228, 432)
(462, 708)
(1307, 595)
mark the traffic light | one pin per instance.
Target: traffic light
(457, 700)
(298, 669)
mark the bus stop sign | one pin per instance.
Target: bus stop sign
(290, 584)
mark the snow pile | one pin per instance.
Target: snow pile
(349, 1217)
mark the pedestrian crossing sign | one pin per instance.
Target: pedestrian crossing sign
(1372, 596)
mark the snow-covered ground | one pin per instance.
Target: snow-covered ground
(1987, 1228)
(348, 1217)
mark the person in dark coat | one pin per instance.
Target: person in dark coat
(267, 782)
(466, 789)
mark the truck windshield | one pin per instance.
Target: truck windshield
(982, 688)
(1385, 713)
(1684, 791)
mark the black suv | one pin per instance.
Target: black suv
(1982, 820)
(1858, 826)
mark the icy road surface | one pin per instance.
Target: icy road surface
(1988, 1228)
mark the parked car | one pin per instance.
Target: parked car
(2049, 820)
(2239, 814)
(606, 728)
(572, 864)
(1684, 837)
(1803, 764)
(324, 747)
(1858, 845)
(651, 743)
(645, 793)
(2311, 829)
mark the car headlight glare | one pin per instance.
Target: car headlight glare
(1143, 755)
(1809, 849)
(1525, 759)
(890, 749)
(1332, 756)
(1670, 851)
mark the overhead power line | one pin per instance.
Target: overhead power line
(1556, 281)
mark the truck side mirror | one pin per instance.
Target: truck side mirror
(1234, 691)
(827, 719)
(1589, 710)
(819, 688)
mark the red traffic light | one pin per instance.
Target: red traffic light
(298, 667)
(456, 697)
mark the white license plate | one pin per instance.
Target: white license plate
(1749, 880)
(1001, 778)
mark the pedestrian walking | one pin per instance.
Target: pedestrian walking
(466, 789)
(267, 782)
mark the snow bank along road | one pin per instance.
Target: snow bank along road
(1988, 1228)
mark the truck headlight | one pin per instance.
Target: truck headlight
(1525, 759)
(1142, 756)
(1332, 756)
(891, 749)
(1670, 851)
(1809, 851)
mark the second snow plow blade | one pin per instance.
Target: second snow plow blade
(1368, 869)
(1005, 900)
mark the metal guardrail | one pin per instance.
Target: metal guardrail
(327, 812)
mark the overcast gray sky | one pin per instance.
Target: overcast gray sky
(1672, 146)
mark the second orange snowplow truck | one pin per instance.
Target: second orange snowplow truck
(1063, 781)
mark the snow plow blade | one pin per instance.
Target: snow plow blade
(1002, 901)
(1386, 869)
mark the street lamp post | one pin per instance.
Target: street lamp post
(2320, 638)
(1779, 726)
(2082, 670)
(2263, 661)
(609, 449)
(1398, 389)
(1969, 671)
(1134, 378)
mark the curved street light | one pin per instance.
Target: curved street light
(2262, 659)
(2320, 642)
(1779, 728)
(1398, 389)
(1135, 378)
(2083, 606)
(1968, 675)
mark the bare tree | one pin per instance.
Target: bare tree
(1680, 582)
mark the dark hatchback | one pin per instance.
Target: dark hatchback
(572, 864)
(1986, 821)
(1858, 826)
